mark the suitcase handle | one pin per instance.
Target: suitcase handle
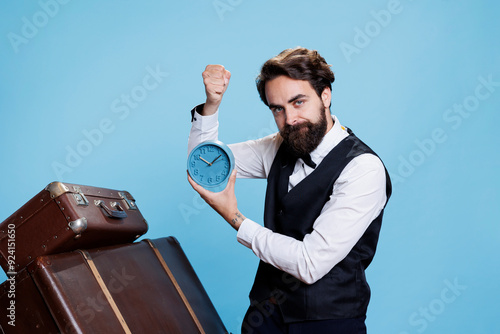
(117, 214)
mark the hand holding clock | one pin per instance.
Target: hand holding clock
(223, 202)
(215, 180)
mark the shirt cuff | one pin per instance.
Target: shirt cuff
(197, 109)
(246, 232)
(204, 123)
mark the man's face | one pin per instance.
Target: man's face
(301, 115)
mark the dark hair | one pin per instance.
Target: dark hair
(300, 64)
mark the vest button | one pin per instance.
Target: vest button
(280, 213)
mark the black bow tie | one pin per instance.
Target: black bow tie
(308, 161)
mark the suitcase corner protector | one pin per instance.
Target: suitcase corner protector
(56, 189)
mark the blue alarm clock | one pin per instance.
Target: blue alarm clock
(210, 165)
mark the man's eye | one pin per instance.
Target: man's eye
(277, 110)
(299, 102)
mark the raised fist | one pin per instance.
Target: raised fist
(216, 79)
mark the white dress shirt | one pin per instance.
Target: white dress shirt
(357, 199)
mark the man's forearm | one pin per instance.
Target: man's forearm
(235, 219)
(209, 108)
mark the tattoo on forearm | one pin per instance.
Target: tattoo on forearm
(239, 218)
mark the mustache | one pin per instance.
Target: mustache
(290, 130)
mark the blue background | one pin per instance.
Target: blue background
(403, 71)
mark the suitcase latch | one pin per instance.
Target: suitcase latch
(80, 197)
(130, 203)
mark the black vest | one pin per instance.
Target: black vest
(341, 293)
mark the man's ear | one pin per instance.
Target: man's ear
(326, 97)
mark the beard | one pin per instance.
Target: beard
(302, 139)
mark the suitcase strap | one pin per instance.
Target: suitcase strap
(105, 290)
(176, 285)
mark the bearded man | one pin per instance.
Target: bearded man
(326, 193)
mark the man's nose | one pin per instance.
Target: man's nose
(291, 116)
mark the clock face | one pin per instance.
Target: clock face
(210, 165)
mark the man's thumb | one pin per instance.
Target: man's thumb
(232, 179)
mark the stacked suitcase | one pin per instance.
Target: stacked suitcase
(72, 267)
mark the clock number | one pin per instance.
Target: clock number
(211, 148)
(210, 180)
(196, 171)
(193, 164)
(203, 150)
(218, 178)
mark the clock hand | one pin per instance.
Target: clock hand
(215, 159)
(208, 163)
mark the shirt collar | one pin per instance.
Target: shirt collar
(331, 139)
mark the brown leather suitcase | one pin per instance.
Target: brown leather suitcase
(65, 217)
(145, 287)
(26, 311)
